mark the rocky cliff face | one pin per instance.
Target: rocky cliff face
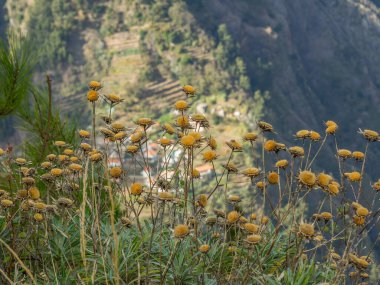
(319, 59)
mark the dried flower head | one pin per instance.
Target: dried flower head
(260, 185)
(136, 189)
(68, 151)
(39, 207)
(330, 123)
(117, 127)
(296, 151)
(65, 202)
(107, 132)
(165, 196)
(187, 141)
(137, 136)
(362, 212)
(215, 235)
(75, 167)
(120, 136)
(253, 216)
(38, 217)
(204, 248)
(6, 203)
(189, 90)
(200, 119)
(209, 156)
(283, 163)
(210, 221)
(195, 174)
(307, 230)
(326, 216)
(92, 96)
(333, 189)
(370, 135)
(56, 172)
(95, 157)
(51, 157)
(95, 85)
(74, 159)
(181, 105)
(22, 194)
(307, 178)
(183, 122)
(234, 145)
(168, 128)
(145, 122)
(356, 205)
(251, 228)
(344, 153)
(250, 137)
(251, 172)
(265, 127)
(234, 199)
(115, 172)
(358, 155)
(323, 180)
(264, 220)
(20, 161)
(132, 149)
(314, 136)
(335, 255)
(232, 249)
(302, 134)
(253, 239)
(113, 99)
(332, 127)
(63, 158)
(230, 167)
(34, 193)
(233, 217)
(85, 146)
(353, 176)
(28, 181)
(181, 231)
(84, 134)
(270, 145)
(202, 200)
(273, 177)
(164, 142)
(364, 275)
(197, 136)
(359, 221)
(376, 185)
(126, 222)
(219, 213)
(212, 143)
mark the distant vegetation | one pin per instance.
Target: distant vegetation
(124, 204)
(154, 181)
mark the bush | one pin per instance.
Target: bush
(87, 212)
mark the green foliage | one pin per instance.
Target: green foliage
(61, 261)
(43, 125)
(50, 25)
(17, 60)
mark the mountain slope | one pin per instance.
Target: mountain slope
(318, 59)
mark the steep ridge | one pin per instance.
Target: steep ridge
(318, 59)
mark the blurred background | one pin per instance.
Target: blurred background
(293, 63)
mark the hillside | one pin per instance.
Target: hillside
(314, 61)
(318, 59)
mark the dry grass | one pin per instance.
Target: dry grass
(75, 219)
